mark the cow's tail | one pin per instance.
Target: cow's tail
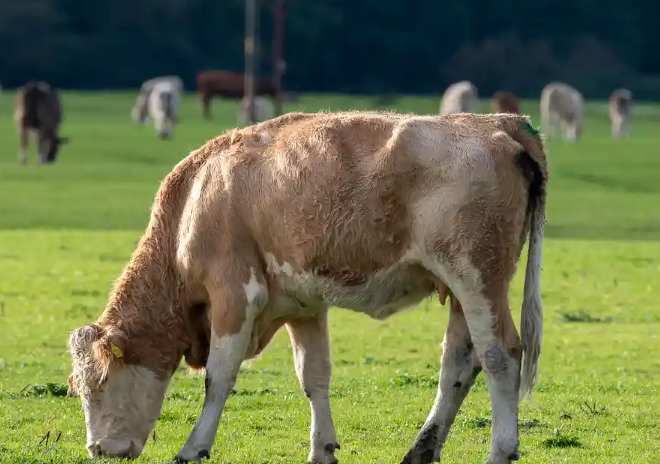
(533, 164)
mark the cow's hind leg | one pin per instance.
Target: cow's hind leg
(234, 306)
(458, 371)
(311, 351)
(499, 351)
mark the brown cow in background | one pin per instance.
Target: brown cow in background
(39, 110)
(504, 102)
(227, 84)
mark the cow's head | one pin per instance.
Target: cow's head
(121, 400)
(49, 145)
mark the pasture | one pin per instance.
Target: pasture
(67, 230)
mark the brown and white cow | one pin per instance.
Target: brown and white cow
(504, 102)
(270, 225)
(39, 110)
(227, 84)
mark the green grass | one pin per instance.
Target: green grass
(67, 230)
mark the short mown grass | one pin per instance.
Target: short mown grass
(67, 230)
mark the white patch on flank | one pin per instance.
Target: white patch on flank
(256, 294)
(120, 417)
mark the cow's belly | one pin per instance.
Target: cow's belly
(382, 295)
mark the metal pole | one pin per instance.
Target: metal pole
(278, 62)
(250, 55)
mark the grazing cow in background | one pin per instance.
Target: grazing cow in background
(271, 225)
(504, 102)
(263, 110)
(621, 112)
(140, 110)
(39, 111)
(461, 97)
(227, 84)
(163, 107)
(562, 109)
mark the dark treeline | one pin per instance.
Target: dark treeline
(355, 46)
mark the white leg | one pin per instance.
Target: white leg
(226, 353)
(458, 371)
(311, 352)
(499, 350)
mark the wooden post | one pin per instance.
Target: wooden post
(278, 61)
(251, 53)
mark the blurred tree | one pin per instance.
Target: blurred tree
(366, 46)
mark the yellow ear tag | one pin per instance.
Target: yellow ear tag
(116, 351)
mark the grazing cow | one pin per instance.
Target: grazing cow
(621, 112)
(504, 102)
(163, 107)
(562, 108)
(270, 225)
(460, 97)
(140, 110)
(263, 110)
(39, 110)
(227, 84)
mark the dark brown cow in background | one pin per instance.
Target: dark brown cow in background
(39, 110)
(227, 84)
(504, 102)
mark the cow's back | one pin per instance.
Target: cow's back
(334, 192)
(562, 99)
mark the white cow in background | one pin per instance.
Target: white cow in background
(140, 111)
(620, 112)
(163, 107)
(460, 97)
(562, 109)
(263, 110)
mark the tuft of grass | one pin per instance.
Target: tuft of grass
(561, 440)
(477, 422)
(46, 389)
(583, 316)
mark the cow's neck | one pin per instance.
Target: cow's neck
(148, 302)
(144, 307)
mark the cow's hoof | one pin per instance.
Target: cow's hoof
(204, 454)
(504, 459)
(326, 456)
(419, 457)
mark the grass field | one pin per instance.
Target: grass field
(67, 230)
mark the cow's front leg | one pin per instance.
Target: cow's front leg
(233, 310)
(23, 138)
(311, 353)
(458, 371)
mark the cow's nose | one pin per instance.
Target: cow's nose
(132, 451)
(94, 450)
